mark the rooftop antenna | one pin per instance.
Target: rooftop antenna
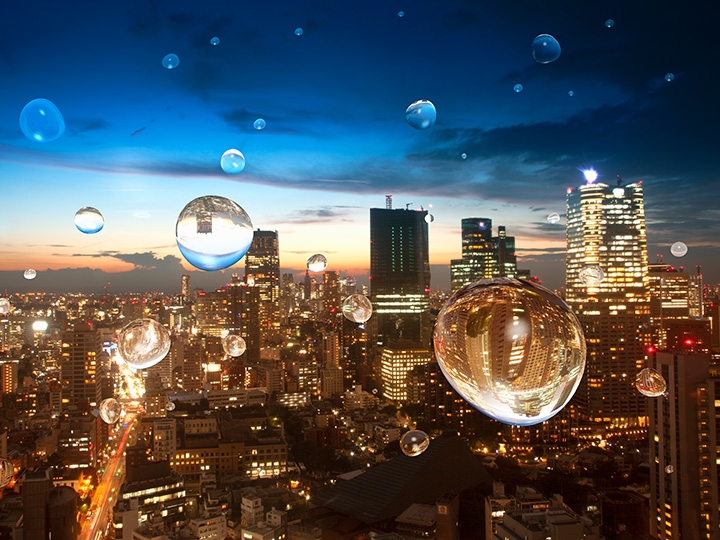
(388, 202)
(619, 180)
(407, 206)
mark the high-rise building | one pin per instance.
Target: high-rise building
(669, 290)
(396, 361)
(211, 312)
(79, 349)
(606, 228)
(8, 376)
(185, 287)
(244, 312)
(262, 268)
(331, 295)
(400, 275)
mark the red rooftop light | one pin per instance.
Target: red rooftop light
(650, 349)
(689, 342)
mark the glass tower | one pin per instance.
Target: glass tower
(262, 269)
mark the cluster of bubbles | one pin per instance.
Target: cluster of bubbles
(421, 114)
(650, 383)
(518, 88)
(317, 263)
(486, 324)
(213, 232)
(41, 121)
(7, 471)
(591, 275)
(30, 273)
(171, 61)
(233, 161)
(234, 345)
(357, 308)
(259, 124)
(545, 49)
(4, 305)
(679, 249)
(143, 343)
(89, 220)
(110, 410)
(415, 442)
(215, 41)
(553, 218)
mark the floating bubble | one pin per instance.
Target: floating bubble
(110, 410)
(170, 406)
(463, 155)
(553, 218)
(41, 121)
(259, 124)
(650, 383)
(375, 391)
(213, 232)
(171, 61)
(679, 249)
(429, 218)
(357, 308)
(232, 161)
(317, 263)
(518, 88)
(7, 471)
(670, 77)
(298, 31)
(415, 442)
(4, 305)
(234, 345)
(421, 114)
(30, 273)
(401, 13)
(669, 469)
(511, 348)
(89, 220)
(609, 23)
(143, 343)
(545, 49)
(571, 93)
(591, 275)
(215, 41)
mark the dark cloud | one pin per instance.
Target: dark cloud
(79, 126)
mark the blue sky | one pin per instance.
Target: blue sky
(142, 141)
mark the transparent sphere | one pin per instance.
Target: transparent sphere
(357, 308)
(511, 348)
(375, 391)
(298, 31)
(415, 442)
(669, 469)
(234, 345)
(232, 161)
(401, 13)
(553, 218)
(650, 383)
(591, 276)
(518, 88)
(110, 410)
(89, 220)
(30, 273)
(170, 406)
(259, 124)
(463, 155)
(609, 23)
(670, 77)
(41, 121)
(4, 305)
(7, 471)
(317, 263)
(679, 249)
(571, 93)
(429, 218)
(213, 232)
(545, 49)
(171, 61)
(215, 41)
(421, 114)
(143, 343)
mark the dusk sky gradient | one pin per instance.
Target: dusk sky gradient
(142, 141)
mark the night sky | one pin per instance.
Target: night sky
(142, 140)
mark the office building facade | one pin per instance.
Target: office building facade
(262, 269)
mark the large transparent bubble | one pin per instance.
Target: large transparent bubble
(357, 308)
(317, 263)
(545, 49)
(511, 348)
(679, 249)
(30, 273)
(143, 343)
(41, 121)
(213, 232)
(234, 345)
(591, 275)
(7, 471)
(110, 410)
(421, 114)
(171, 61)
(232, 161)
(89, 220)
(4, 305)
(415, 442)
(650, 383)
(553, 218)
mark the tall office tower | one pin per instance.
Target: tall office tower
(331, 295)
(262, 268)
(396, 361)
(400, 275)
(288, 300)
(79, 350)
(244, 310)
(185, 287)
(8, 376)
(211, 312)
(669, 293)
(695, 296)
(683, 448)
(307, 286)
(36, 494)
(606, 227)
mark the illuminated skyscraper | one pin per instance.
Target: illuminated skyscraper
(244, 311)
(396, 362)
(185, 287)
(606, 227)
(79, 349)
(262, 268)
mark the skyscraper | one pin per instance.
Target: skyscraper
(184, 287)
(606, 228)
(262, 268)
(244, 311)
(400, 275)
(79, 349)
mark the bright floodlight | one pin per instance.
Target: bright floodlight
(39, 326)
(590, 175)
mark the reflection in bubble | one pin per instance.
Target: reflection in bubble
(234, 345)
(679, 249)
(591, 275)
(89, 220)
(317, 263)
(545, 49)
(518, 88)
(511, 348)
(357, 308)
(110, 410)
(7, 471)
(143, 343)
(259, 124)
(421, 114)
(41, 121)
(171, 61)
(232, 161)
(415, 442)
(650, 383)
(30, 273)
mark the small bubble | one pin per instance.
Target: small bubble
(29, 273)
(259, 124)
(110, 410)
(421, 114)
(609, 23)
(298, 31)
(41, 121)
(545, 49)
(591, 275)
(232, 161)
(317, 263)
(401, 13)
(234, 345)
(143, 343)
(669, 469)
(89, 220)
(429, 218)
(670, 77)
(170, 61)
(650, 383)
(170, 406)
(463, 155)
(553, 218)
(357, 308)
(215, 41)
(679, 249)
(518, 88)
(571, 93)
(415, 442)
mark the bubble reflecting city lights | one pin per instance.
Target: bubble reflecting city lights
(518, 88)
(215, 41)
(7, 471)
(30, 273)
(429, 218)
(170, 406)
(234, 345)
(89, 220)
(317, 263)
(650, 383)
(670, 77)
(545, 49)
(171, 61)
(213, 232)
(298, 31)
(143, 343)
(511, 348)
(591, 275)
(553, 218)
(415, 442)
(421, 114)
(110, 410)
(4, 305)
(609, 23)
(41, 121)
(669, 469)
(259, 124)
(357, 308)
(679, 249)
(232, 161)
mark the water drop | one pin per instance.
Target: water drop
(213, 232)
(650, 383)
(298, 31)
(7, 471)
(511, 348)
(143, 343)
(553, 218)
(232, 161)
(591, 275)
(670, 77)
(41, 121)
(30, 273)
(429, 218)
(545, 49)
(421, 114)
(4, 305)
(110, 410)
(415, 442)
(234, 345)
(317, 263)
(609, 23)
(215, 41)
(259, 124)
(171, 61)
(463, 155)
(357, 308)
(518, 88)
(679, 249)
(89, 220)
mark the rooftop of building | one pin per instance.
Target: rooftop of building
(418, 514)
